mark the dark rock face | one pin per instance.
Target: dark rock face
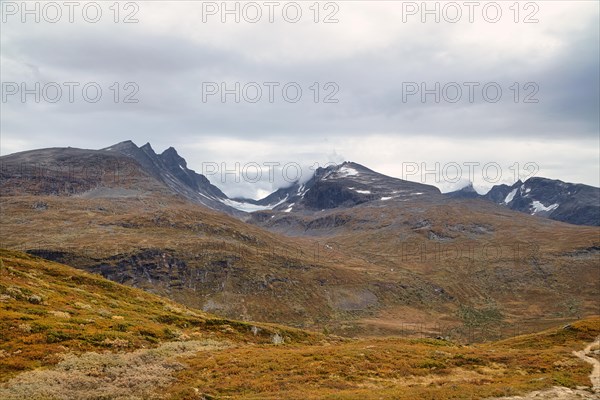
(567, 202)
(499, 192)
(326, 195)
(171, 169)
(177, 165)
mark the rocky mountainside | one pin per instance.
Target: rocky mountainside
(70, 171)
(120, 170)
(171, 169)
(561, 201)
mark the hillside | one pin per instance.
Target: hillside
(355, 280)
(200, 258)
(49, 308)
(81, 337)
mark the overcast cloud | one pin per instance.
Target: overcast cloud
(370, 55)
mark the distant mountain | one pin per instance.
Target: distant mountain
(344, 186)
(123, 169)
(561, 201)
(70, 171)
(468, 192)
(126, 169)
(171, 169)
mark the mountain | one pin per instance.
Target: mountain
(139, 170)
(468, 192)
(110, 212)
(117, 171)
(568, 202)
(70, 171)
(171, 169)
(344, 186)
(128, 275)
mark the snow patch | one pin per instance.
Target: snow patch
(208, 197)
(385, 198)
(248, 207)
(302, 191)
(347, 171)
(510, 196)
(539, 207)
(363, 191)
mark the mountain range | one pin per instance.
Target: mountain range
(350, 250)
(340, 186)
(127, 250)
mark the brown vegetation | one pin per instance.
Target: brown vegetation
(82, 337)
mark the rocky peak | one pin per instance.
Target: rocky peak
(171, 157)
(147, 148)
(551, 198)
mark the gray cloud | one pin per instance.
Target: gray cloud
(169, 54)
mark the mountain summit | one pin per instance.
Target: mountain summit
(171, 169)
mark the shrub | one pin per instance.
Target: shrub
(60, 314)
(58, 336)
(136, 375)
(35, 299)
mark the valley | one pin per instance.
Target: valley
(350, 261)
(314, 200)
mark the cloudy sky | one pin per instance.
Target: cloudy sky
(381, 83)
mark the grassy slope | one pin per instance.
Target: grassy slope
(49, 310)
(394, 368)
(241, 271)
